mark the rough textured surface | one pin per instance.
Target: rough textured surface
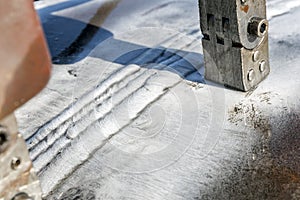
(128, 115)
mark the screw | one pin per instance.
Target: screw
(262, 66)
(256, 56)
(251, 75)
(15, 163)
(243, 1)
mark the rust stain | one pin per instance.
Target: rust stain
(245, 8)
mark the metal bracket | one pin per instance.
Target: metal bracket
(17, 177)
(235, 42)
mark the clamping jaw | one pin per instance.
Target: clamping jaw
(235, 42)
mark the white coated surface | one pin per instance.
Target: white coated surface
(141, 126)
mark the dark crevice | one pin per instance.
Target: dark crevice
(236, 44)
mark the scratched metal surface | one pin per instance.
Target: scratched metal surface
(127, 113)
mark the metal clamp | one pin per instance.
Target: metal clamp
(235, 42)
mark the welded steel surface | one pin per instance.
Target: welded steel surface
(128, 113)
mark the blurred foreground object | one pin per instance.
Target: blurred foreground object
(235, 42)
(24, 71)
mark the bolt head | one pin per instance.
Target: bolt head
(15, 163)
(251, 75)
(262, 66)
(256, 56)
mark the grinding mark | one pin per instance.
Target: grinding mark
(55, 123)
(58, 132)
(60, 154)
(281, 8)
(61, 128)
(156, 60)
(194, 32)
(157, 8)
(139, 58)
(42, 161)
(56, 91)
(45, 157)
(161, 59)
(155, 97)
(85, 100)
(279, 15)
(59, 119)
(78, 193)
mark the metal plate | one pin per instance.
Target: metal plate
(17, 176)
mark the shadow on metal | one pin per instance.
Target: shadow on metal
(70, 41)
